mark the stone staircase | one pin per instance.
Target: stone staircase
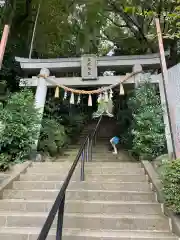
(106, 130)
(102, 151)
(114, 202)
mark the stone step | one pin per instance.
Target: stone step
(98, 136)
(105, 158)
(86, 195)
(116, 178)
(122, 186)
(99, 142)
(99, 148)
(106, 149)
(94, 170)
(59, 165)
(92, 207)
(90, 164)
(114, 171)
(101, 156)
(83, 234)
(95, 157)
(107, 154)
(89, 177)
(113, 159)
(88, 221)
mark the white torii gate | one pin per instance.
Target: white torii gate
(89, 66)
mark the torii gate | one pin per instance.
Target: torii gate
(89, 69)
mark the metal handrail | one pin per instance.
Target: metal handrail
(96, 128)
(93, 137)
(58, 206)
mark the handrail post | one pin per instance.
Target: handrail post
(91, 145)
(95, 138)
(87, 151)
(60, 220)
(82, 165)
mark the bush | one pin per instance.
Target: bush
(71, 117)
(148, 129)
(171, 185)
(74, 124)
(5, 160)
(53, 137)
(18, 128)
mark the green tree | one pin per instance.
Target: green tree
(68, 28)
(147, 124)
(19, 122)
(20, 16)
(71, 28)
(133, 20)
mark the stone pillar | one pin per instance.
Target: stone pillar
(41, 91)
(137, 77)
(40, 99)
(166, 120)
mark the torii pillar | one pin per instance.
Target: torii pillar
(40, 99)
(137, 77)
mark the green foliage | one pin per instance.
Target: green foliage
(70, 116)
(147, 125)
(73, 124)
(18, 129)
(5, 160)
(68, 28)
(61, 125)
(171, 185)
(124, 119)
(71, 28)
(53, 137)
(168, 12)
(57, 132)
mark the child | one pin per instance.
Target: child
(114, 141)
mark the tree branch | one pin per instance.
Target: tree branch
(112, 21)
(132, 25)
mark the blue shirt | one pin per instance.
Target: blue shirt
(115, 140)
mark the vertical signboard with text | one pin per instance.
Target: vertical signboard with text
(89, 67)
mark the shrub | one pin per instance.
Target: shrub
(19, 122)
(74, 124)
(147, 125)
(5, 160)
(53, 137)
(171, 185)
(71, 117)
